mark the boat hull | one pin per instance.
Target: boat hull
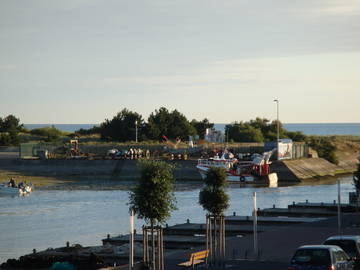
(229, 177)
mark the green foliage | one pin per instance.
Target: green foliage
(296, 136)
(10, 123)
(324, 147)
(213, 197)
(153, 197)
(90, 131)
(260, 130)
(201, 126)
(122, 127)
(171, 124)
(9, 130)
(50, 134)
(356, 179)
(243, 132)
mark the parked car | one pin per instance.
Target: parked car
(320, 257)
(350, 244)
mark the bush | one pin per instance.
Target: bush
(50, 134)
(324, 147)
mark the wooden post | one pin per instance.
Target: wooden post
(256, 252)
(131, 244)
(339, 209)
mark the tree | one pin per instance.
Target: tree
(243, 132)
(201, 126)
(10, 123)
(9, 130)
(122, 127)
(171, 124)
(153, 197)
(215, 201)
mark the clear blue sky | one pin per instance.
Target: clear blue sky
(81, 61)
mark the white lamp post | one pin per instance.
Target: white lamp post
(278, 127)
(136, 131)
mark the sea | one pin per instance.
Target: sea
(306, 128)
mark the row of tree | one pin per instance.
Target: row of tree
(153, 197)
(172, 124)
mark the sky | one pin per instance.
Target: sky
(82, 61)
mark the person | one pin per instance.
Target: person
(12, 182)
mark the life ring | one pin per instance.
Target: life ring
(242, 178)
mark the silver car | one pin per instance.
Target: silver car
(320, 257)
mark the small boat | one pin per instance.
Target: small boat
(12, 189)
(237, 171)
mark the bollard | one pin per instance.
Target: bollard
(234, 214)
(34, 251)
(334, 201)
(108, 236)
(307, 201)
(273, 205)
(67, 244)
(188, 221)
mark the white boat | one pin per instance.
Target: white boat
(23, 189)
(237, 171)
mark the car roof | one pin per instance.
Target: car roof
(318, 247)
(344, 237)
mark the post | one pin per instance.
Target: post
(131, 239)
(136, 131)
(255, 226)
(278, 127)
(339, 209)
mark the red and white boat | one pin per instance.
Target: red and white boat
(238, 171)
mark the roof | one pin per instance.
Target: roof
(344, 237)
(318, 247)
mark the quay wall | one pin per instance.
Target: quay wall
(113, 169)
(287, 170)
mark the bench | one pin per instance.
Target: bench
(196, 258)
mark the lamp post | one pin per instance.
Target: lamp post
(278, 127)
(136, 131)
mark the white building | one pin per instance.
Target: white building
(214, 136)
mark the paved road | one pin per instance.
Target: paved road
(9, 155)
(276, 247)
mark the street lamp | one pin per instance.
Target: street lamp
(136, 131)
(278, 127)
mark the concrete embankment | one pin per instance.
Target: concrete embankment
(111, 169)
(308, 168)
(287, 170)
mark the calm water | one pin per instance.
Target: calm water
(308, 129)
(49, 218)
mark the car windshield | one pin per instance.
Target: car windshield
(349, 246)
(312, 256)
